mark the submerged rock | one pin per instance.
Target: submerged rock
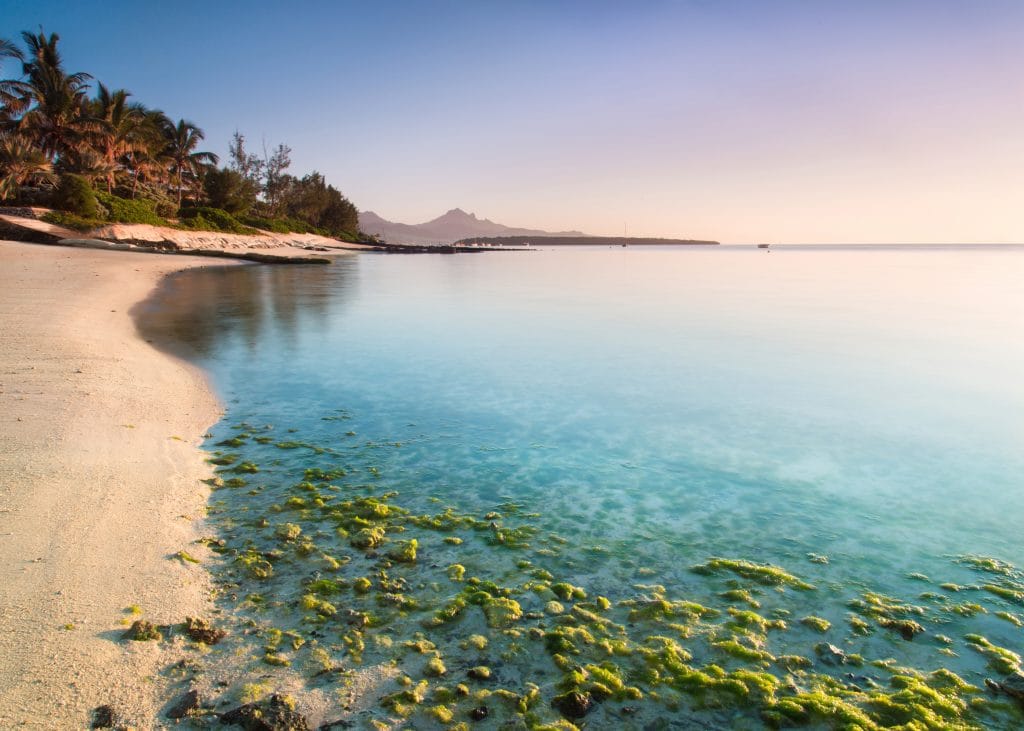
(573, 704)
(830, 654)
(479, 713)
(270, 714)
(1012, 685)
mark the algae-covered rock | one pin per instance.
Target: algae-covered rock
(573, 704)
(287, 531)
(143, 631)
(274, 714)
(501, 612)
(761, 573)
(404, 552)
(905, 628)
(367, 538)
(200, 630)
(816, 623)
(435, 667)
(480, 672)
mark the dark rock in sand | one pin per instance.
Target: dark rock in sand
(332, 725)
(573, 704)
(269, 714)
(200, 630)
(104, 717)
(479, 713)
(184, 707)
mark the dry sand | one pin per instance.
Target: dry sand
(99, 485)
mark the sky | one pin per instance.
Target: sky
(896, 121)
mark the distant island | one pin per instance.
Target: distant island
(446, 229)
(459, 228)
(558, 240)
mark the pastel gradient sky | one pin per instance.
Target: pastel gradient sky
(742, 121)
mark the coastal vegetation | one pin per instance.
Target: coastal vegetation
(97, 156)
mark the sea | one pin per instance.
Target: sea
(627, 487)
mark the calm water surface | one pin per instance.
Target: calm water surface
(656, 406)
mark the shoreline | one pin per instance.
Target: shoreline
(100, 472)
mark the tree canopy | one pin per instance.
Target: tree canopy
(55, 122)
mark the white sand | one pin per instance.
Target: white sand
(99, 485)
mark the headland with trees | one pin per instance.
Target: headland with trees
(96, 156)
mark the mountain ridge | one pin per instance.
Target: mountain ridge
(451, 226)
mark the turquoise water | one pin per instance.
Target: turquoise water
(638, 411)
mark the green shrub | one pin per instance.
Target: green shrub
(213, 219)
(70, 220)
(75, 195)
(280, 225)
(124, 210)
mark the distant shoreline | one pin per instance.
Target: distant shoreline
(580, 241)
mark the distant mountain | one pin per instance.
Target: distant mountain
(454, 225)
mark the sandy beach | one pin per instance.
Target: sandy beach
(99, 486)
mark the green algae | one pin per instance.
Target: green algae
(223, 459)
(999, 658)
(745, 619)
(362, 585)
(568, 592)
(1014, 619)
(367, 538)
(143, 631)
(186, 557)
(629, 648)
(1013, 595)
(989, 565)
(404, 551)
(816, 623)
(740, 595)
(760, 573)
(287, 531)
(435, 667)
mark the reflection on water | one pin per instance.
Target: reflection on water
(250, 307)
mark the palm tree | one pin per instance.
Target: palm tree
(50, 100)
(21, 163)
(10, 89)
(120, 131)
(182, 140)
(149, 161)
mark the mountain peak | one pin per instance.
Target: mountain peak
(459, 213)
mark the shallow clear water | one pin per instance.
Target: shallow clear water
(655, 408)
